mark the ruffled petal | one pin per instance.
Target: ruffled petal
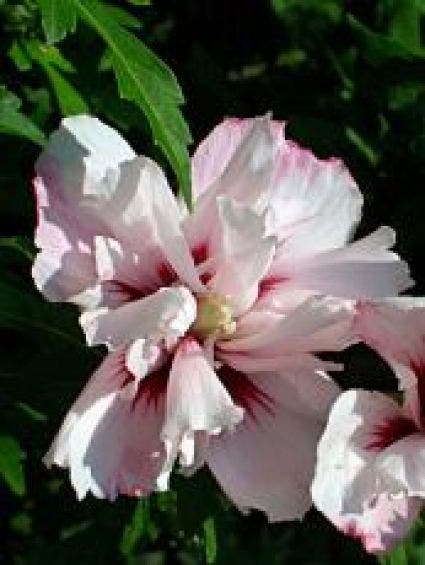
(81, 161)
(404, 463)
(147, 210)
(90, 183)
(267, 463)
(348, 486)
(165, 315)
(235, 147)
(196, 402)
(244, 173)
(109, 442)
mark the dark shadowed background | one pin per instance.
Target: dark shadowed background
(348, 77)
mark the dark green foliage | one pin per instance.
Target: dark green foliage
(349, 77)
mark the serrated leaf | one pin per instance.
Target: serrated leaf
(148, 82)
(11, 468)
(58, 18)
(14, 122)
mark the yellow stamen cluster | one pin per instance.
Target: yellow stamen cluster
(214, 317)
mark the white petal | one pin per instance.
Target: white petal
(246, 176)
(80, 161)
(109, 442)
(363, 269)
(308, 195)
(166, 315)
(214, 153)
(242, 255)
(196, 402)
(404, 462)
(319, 324)
(147, 210)
(268, 462)
(348, 486)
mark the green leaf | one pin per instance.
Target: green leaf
(14, 122)
(19, 56)
(58, 17)
(52, 61)
(123, 18)
(145, 80)
(140, 2)
(19, 243)
(24, 310)
(141, 525)
(363, 147)
(11, 468)
(210, 540)
(405, 24)
(378, 48)
(330, 9)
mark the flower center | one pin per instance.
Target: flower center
(213, 318)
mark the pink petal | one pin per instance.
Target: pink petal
(242, 253)
(109, 442)
(147, 210)
(124, 274)
(215, 153)
(81, 161)
(245, 177)
(306, 197)
(90, 183)
(267, 463)
(395, 328)
(349, 487)
(319, 324)
(363, 269)
(196, 402)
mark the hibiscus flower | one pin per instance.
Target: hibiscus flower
(370, 475)
(211, 319)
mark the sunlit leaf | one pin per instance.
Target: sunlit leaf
(11, 468)
(145, 80)
(52, 62)
(14, 122)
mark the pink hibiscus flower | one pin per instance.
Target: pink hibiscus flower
(370, 475)
(211, 319)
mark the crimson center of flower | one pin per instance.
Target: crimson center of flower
(214, 317)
